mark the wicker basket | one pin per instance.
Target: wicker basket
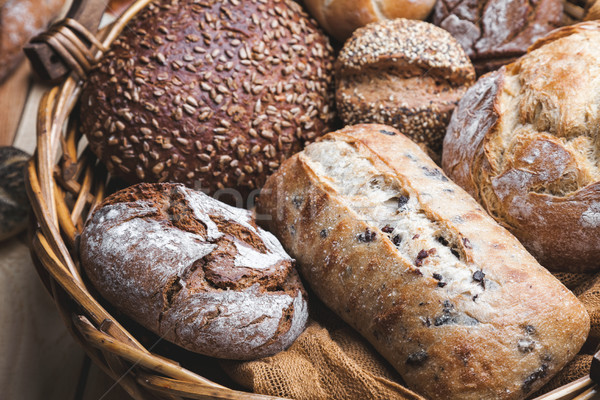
(65, 182)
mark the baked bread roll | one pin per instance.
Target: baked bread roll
(14, 205)
(495, 32)
(411, 261)
(195, 271)
(20, 20)
(405, 73)
(213, 95)
(524, 142)
(341, 17)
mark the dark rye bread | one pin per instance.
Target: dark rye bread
(524, 142)
(404, 73)
(213, 94)
(495, 32)
(413, 263)
(195, 271)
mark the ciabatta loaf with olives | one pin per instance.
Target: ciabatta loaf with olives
(409, 259)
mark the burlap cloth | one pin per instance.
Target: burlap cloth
(331, 361)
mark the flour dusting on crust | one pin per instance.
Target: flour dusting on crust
(195, 271)
(591, 217)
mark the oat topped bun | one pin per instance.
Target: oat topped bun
(405, 73)
(214, 95)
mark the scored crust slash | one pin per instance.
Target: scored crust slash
(452, 300)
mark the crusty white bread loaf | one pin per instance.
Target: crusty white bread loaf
(410, 260)
(524, 141)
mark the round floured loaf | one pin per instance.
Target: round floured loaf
(197, 272)
(524, 142)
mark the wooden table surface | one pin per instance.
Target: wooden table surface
(39, 359)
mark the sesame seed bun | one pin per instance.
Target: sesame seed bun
(405, 73)
(214, 95)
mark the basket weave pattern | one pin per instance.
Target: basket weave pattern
(64, 185)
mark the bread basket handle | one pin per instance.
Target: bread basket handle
(68, 45)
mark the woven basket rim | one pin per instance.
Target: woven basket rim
(55, 171)
(58, 170)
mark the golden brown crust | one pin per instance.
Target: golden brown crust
(564, 32)
(342, 17)
(463, 142)
(214, 95)
(523, 141)
(472, 316)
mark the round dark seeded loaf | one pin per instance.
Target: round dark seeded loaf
(195, 271)
(411, 261)
(213, 94)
